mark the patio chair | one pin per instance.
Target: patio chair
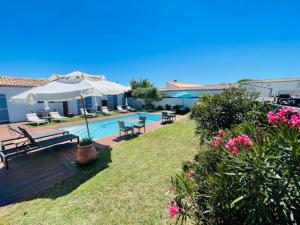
(33, 118)
(129, 108)
(141, 124)
(57, 117)
(165, 117)
(124, 128)
(39, 135)
(31, 145)
(172, 114)
(120, 109)
(82, 111)
(105, 110)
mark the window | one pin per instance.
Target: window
(4, 117)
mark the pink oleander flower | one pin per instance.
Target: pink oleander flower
(285, 115)
(191, 173)
(295, 121)
(170, 188)
(173, 209)
(217, 142)
(235, 143)
(221, 133)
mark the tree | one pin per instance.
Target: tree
(145, 90)
(142, 83)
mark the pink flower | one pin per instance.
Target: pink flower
(235, 143)
(173, 210)
(217, 142)
(191, 173)
(286, 115)
(170, 188)
(221, 133)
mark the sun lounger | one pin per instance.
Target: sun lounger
(85, 112)
(33, 118)
(141, 124)
(129, 108)
(124, 128)
(32, 144)
(105, 110)
(120, 109)
(40, 135)
(57, 117)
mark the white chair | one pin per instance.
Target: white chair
(84, 112)
(33, 118)
(105, 110)
(57, 117)
(120, 109)
(129, 108)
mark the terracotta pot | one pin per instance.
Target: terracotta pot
(86, 154)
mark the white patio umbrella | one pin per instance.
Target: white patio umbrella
(69, 89)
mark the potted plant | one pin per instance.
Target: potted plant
(86, 151)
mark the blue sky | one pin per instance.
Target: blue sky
(192, 41)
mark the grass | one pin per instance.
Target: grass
(126, 185)
(71, 119)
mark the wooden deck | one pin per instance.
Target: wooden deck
(34, 172)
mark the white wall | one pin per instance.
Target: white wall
(279, 86)
(176, 101)
(17, 112)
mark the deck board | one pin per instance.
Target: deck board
(35, 172)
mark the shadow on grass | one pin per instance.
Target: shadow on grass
(84, 174)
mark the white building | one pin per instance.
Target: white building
(10, 86)
(196, 91)
(273, 87)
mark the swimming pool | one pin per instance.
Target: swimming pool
(108, 127)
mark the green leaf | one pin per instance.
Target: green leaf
(236, 200)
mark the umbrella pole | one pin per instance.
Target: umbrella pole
(85, 117)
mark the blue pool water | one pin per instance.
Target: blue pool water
(108, 127)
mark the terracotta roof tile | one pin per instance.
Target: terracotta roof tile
(8, 81)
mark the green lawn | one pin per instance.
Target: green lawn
(126, 185)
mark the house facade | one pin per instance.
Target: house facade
(11, 86)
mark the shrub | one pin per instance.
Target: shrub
(240, 178)
(86, 141)
(159, 107)
(226, 110)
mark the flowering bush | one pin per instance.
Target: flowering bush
(243, 178)
(226, 110)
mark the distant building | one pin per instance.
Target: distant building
(273, 87)
(196, 90)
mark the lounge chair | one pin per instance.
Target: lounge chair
(40, 135)
(141, 124)
(129, 108)
(165, 117)
(31, 144)
(85, 112)
(33, 118)
(120, 109)
(105, 110)
(56, 117)
(124, 128)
